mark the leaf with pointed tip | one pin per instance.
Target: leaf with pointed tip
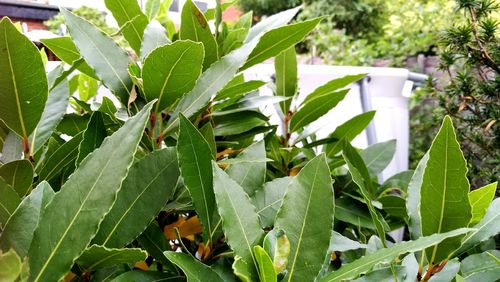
(480, 200)
(250, 175)
(9, 201)
(170, 71)
(238, 123)
(63, 157)
(266, 267)
(240, 221)
(268, 199)
(19, 175)
(109, 61)
(444, 201)
(155, 36)
(378, 156)
(131, 20)
(192, 268)
(66, 51)
(315, 108)
(333, 85)
(194, 26)
(220, 73)
(366, 263)
(147, 188)
(278, 40)
(285, 65)
(347, 131)
(85, 198)
(18, 231)
(306, 216)
(194, 158)
(99, 256)
(23, 83)
(53, 113)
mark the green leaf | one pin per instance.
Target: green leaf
(194, 269)
(366, 263)
(155, 36)
(268, 199)
(237, 123)
(240, 221)
(333, 85)
(65, 49)
(19, 175)
(170, 71)
(72, 124)
(444, 201)
(99, 256)
(194, 26)
(353, 212)
(131, 20)
(413, 198)
(109, 61)
(87, 87)
(250, 175)
(9, 201)
(449, 271)
(378, 156)
(53, 113)
(360, 176)
(220, 73)
(152, 8)
(278, 40)
(60, 238)
(347, 131)
(237, 90)
(149, 184)
(248, 103)
(233, 40)
(266, 267)
(285, 65)
(139, 275)
(63, 157)
(23, 83)
(488, 227)
(195, 164)
(11, 266)
(386, 274)
(399, 181)
(315, 108)
(208, 133)
(277, 245)
(410, 264)
(394, 206)
(306, 216)
(153, 240)
(18, 231)
(92, 136)
(340, 243)
(480, 200)
(481, 267)
(12, 148)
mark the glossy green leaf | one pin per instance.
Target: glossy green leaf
(333, 85)
(60, 238)
(340, 243)
(108, 60)
(266, 268)
(398, 181)
(233, 40)
(444, 201)
(149, 184)
(410, 264)
(360, 176)
(353, 212)
(248, 103)
(139, 275)
(221, 72)
(315, 108)
(394, 206)
(92, 136)
(23, 83)
(53, 113)
(413, 199)
(153, 240)
(64, 156)
(278, 40)
(9, 201)
(66, 51)
(378, 156)
(237, 123)
(18, 231)
(285, 65)
(481, 267)
(347, 131)
(249, 174)
(170, 71)
(99, 256)
(72, 124)
(192, 268)
(11, 266)
(12, 148)
(194, 26)
(208, 133)
(19, 175)
(306, 216)
(240, 221)
(236, 91)
(195, 165)
(155, 36)
(268, 199)
(87, 87)
(131, 20)
(366, 263)
(480, 199)
(386, 274)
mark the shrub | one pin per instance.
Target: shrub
(172, 185)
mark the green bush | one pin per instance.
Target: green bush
(170, 183)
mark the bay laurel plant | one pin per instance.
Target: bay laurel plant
(178, 175)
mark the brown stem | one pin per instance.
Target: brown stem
(483, 50)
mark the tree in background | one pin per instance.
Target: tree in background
(91, 14)
(267, 7)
